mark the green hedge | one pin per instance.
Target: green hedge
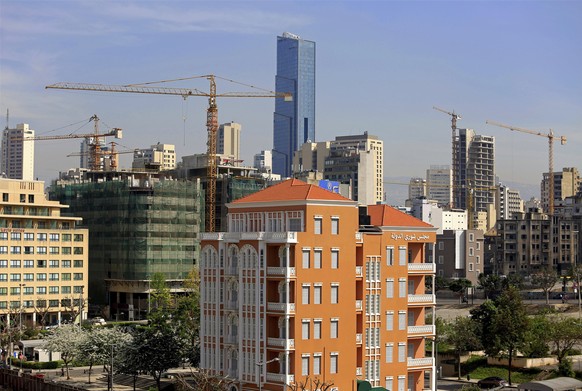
(35, 364)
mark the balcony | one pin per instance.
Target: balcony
(426, 330)
(280, 378)
(359, 272)
(287, 344)
(286, 308)
(422, 268)
(425, 299)
(287, 272)
(418, 363)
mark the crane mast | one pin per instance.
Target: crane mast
(211, 119)
(550, 136)
(454, 118)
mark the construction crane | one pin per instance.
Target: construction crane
(95, 144)
(211, 117)
(454, 118)
(550, 136)
(111, 153)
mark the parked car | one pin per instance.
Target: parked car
(97, 321)
(492, 382)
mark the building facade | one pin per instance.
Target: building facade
(160, 157)
(566, 184)
(417, 188)
(294, 121)
(507, 202)
(460, 254)
(17, 153)
(43, 258)
(439, 183)
(228, 141)
(296, 289)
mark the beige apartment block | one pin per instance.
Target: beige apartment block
(43, 258)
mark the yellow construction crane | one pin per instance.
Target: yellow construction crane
(550, 136)
(94, 145)
(454, 118)
(211, 117)
(111, 153)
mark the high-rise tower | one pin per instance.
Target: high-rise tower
(294, 121)
(17, 160)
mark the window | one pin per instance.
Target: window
(78, 237)
(305, 294)
(65, 289)
(53, 250)
(15, 290)
(305, 365)
(3, 291)
(441, 259)
(4, 235)
(305, 329)
(53, 263)
(3, 277)
(66, 276)
(66, 263)
(389, 383)
(471, 237)
(28, 236)
(41, 250)
(335, 225)
(334, 328)
(401, 383)
(478, 259)
(390, 288)
(471, 251)
(334, 259)
(28, 276)
(15, 236)
(470, 266)
(317, 329)
(316, 364)
(3, 249)
(29, 249)
(40, 276)
(66, 250)
(305, 259)
(53, 303)
(389, 256)
(78, 289)
(317, 225)
(28, 290)
(334, 294)
(78, 250)
(3, 304)
(15, 263)
(317, 294)
(402, 287)
(40, 263)
(41, 290)
(15, 250)
(28, 263)
(389, 352)
(3, 263)
(53, 289)
(317, 259)
(402, 256)
(14, 276)
(66, 237)
(441, 246)
(53, 276)
(78, 276)
(78, 263)
(401, 352)
(401, 320)
(333, 362)
(41, 237)
(54, 237)
(390, 320)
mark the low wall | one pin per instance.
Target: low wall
(523, 362)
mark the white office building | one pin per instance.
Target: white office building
(18, 154)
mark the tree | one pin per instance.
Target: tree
(490, 284)
(158, 349)
(187, 317)
(546, 280)
(502, 325)
(65, 339)
(463, 336)
(311, 384)
(99, 343)
(459, 286)
(160, 298)
(202, 380)
(563, 333)
(536, 337)
(129, 362)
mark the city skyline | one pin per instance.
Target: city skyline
(381, 66)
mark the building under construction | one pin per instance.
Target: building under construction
(139, 224)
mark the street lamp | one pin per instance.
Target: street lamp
(260, 364)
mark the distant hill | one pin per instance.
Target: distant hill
(397, 190)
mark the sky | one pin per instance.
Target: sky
(381, 66)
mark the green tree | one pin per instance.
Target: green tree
(187, 317)
(459, 286)
(160, 297)
(536, 337)
(462, 335)
(65, 339)
(545, 280)
(503, 324)
(563, 333)
(491, 285)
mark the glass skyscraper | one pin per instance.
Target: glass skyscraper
(294, 121)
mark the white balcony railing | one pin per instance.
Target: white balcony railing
(426, 299)
(420, 362)
(287, 344)
(281, 307)
(281, 271)
(426, 330)
(280, 378)
(422, 268)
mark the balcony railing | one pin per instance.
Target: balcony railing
(358, 236)
(287, 344)
(422, 268)
(423, 362)
(286, 308)
(424, 299)
(424, 330)
(281, 271)
(280, 378)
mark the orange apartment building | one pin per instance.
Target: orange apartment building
(298, 289)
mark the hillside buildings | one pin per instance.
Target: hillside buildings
(297, 288)
(294, 121)
(17, 158)
(43, 257)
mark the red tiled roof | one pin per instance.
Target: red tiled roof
(384, 215)
(291, 190)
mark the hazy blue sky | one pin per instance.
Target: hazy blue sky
(381, 66)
